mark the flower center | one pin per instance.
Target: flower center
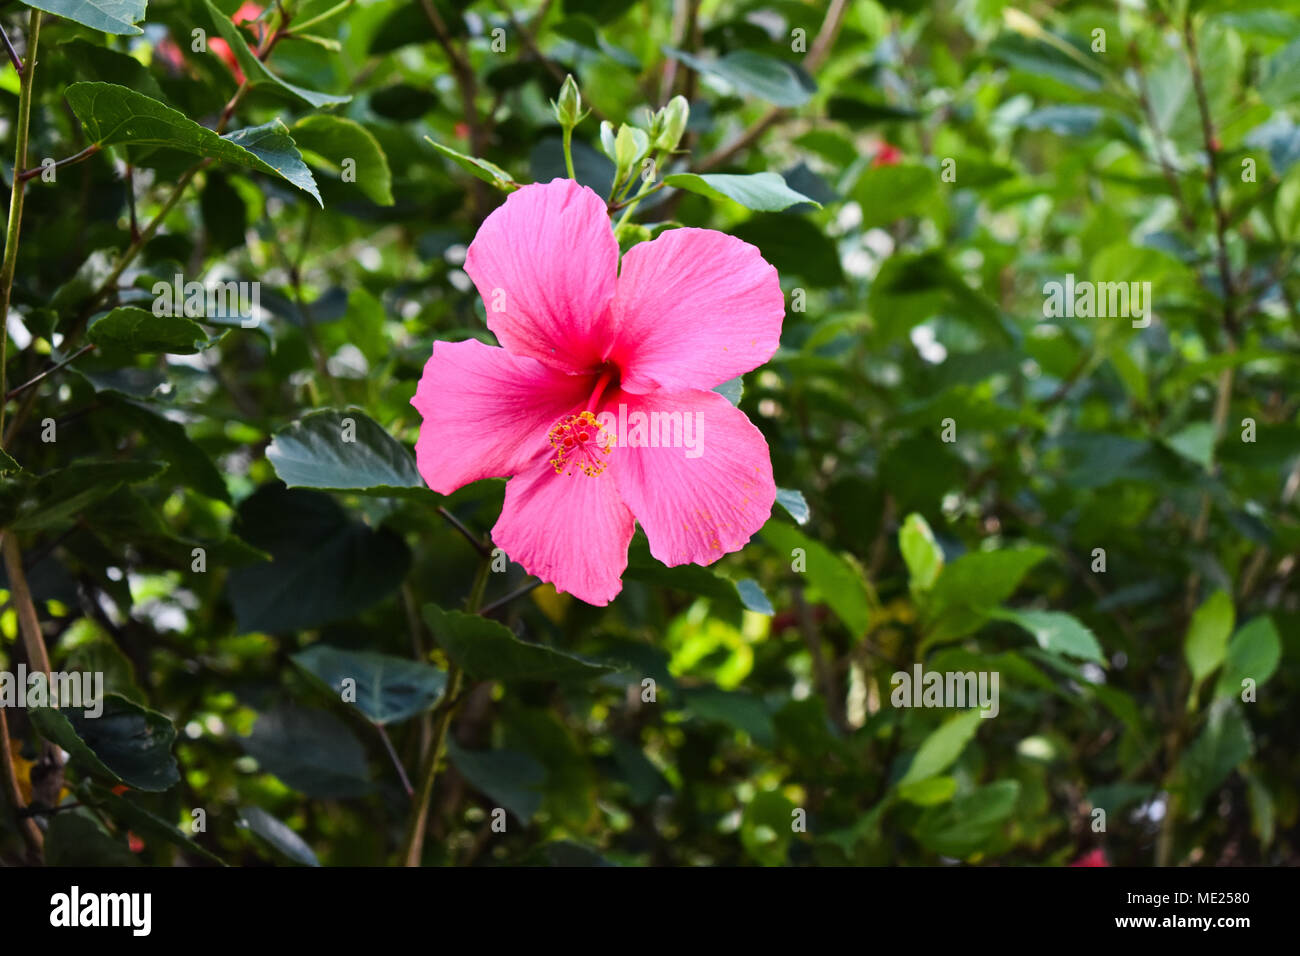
(581, 443)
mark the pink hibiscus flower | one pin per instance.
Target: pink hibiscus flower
(599, 406)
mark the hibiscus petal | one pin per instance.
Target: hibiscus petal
(569, 529)
(545, 264)
(693, 309)
(486, 412)
(693, 509)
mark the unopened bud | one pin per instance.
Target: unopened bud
(674, 118)
(568, 108)
(629, 146)
(607, 138)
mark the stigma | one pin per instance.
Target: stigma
(581, 443)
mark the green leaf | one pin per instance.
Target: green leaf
(118, 17)
(100, 63)
(77, 838)
(838, 583)
(796, 245)
(324, 567)
(1224, 743)
(765, 827)
(85, 647)
(487, 650)
(732, 390)
(336, 139)
(962, 827)
(1041, 58)
(256, 71)
(1253, 654)
(310, 751)
(752, 596)
(343, 450)
(942, 747)
(126, 744)
(136, 330)
(765, 192)
(510, 777)
(1287, 206)
(1195, 442)
(1057, 632)
(736, 709)
(971, 587)
(794, 503)
(276, 150)
(693, 579)
(1206, 643)
(278, 835)
(127, 813)
(890, 193)
(186, 461)
(58, 498)
(922, 554)
(490, 173)
(1281, 76)
(929, 792)
(115, 115)
(387, 689)
(754, 74)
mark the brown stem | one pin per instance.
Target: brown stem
(26, 825)
(28, 623)
(14, 392)
(1212, 150)
(463, 72)
(29, 174)
(821, 48)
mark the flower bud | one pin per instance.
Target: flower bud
(675, 115)
(607, 138)
(629, 146)
(568, 108)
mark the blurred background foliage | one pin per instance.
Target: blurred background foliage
(1105, 515)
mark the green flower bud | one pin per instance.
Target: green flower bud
(607, 138)
(629, 146)
(675, 115)
(568, 109)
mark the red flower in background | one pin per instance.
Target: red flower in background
(1095, 857)
(887, 155)
(245, 14)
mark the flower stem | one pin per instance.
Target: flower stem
(10, 264)
(645, 190)
(413, 848)
(568, 152)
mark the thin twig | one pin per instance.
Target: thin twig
(29, 174)
(13, 393)
(517, 593)
(469, 536)
(13, 792)
(1212, 149)
(401, 771)
(821, 48)
(14, 227)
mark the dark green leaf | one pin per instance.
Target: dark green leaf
(126, 744)
(387, 689)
